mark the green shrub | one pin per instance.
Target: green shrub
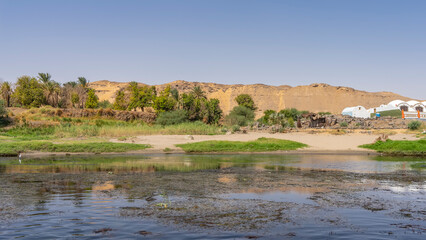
(324, 113)
(240, 116)
(105, 104)
(344, 124)
(235, 128)
(414, 125)
(290, 122)
(172, 117)
(2, 108)
(246, 101)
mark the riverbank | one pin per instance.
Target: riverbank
(317, 143)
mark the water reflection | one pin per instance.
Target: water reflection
(211, 196)
(184, 163)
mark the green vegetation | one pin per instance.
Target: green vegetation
(284, 118)
(344, 124)
(2, 109)
(259, 145)
(29, 133)
(165, 101)
(246, 101)
(172, 117)
(6, 93)
(324, 113)
(240, 116)
(390, 113)
(92, 99)
(402, 147)
(29, 92)
(414, 125)
(76, 127)
(105, 104)
(420, 165)
(14, 148)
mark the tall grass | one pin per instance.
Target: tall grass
(70, 127)
(124, 130)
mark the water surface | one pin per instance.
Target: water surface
(172, 196)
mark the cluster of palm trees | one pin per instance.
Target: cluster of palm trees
(70, 94)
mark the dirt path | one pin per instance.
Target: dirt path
(317, 142)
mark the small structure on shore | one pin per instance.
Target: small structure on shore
(358, 111)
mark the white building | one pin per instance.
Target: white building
(412, 109)
(358, 111)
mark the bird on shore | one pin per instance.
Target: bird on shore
(20, 155)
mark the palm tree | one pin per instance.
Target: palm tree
(83, 81)
(71, 84)
(6, 92)
(44, 77)
(198, 92)
(51, 92)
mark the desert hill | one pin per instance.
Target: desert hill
(315, 97)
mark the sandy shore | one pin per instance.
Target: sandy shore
(318, 143)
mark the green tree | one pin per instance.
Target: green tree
(6, 93)
(83, 82)
(92, 99)
(140, 97)
(211, 111)
(165, 101)
(198, 93)
(246, 101)
(240, 115)
(2, 108)
(29, 92)
(75, 99)
(44, 77)
(120, 101)
(51, 92)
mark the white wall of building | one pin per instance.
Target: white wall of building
(361, 112)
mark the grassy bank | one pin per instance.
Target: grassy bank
(412, 148)
(13, 148)
(259, 145)
(109, 129)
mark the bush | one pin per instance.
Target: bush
(246, 101)
(344, 124)
(105, 104)
(240, 116)
(235, 128)
(414, 125)
(2, 109)
(172, 117)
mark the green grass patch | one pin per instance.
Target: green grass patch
(29, 133)
(390, 113)
(412, 148)
(13, 148)
(259, 145)
(420, 165)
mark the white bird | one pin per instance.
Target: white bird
(20, 155)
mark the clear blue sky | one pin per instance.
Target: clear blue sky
(373, 45)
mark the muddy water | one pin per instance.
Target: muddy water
(213, 197)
